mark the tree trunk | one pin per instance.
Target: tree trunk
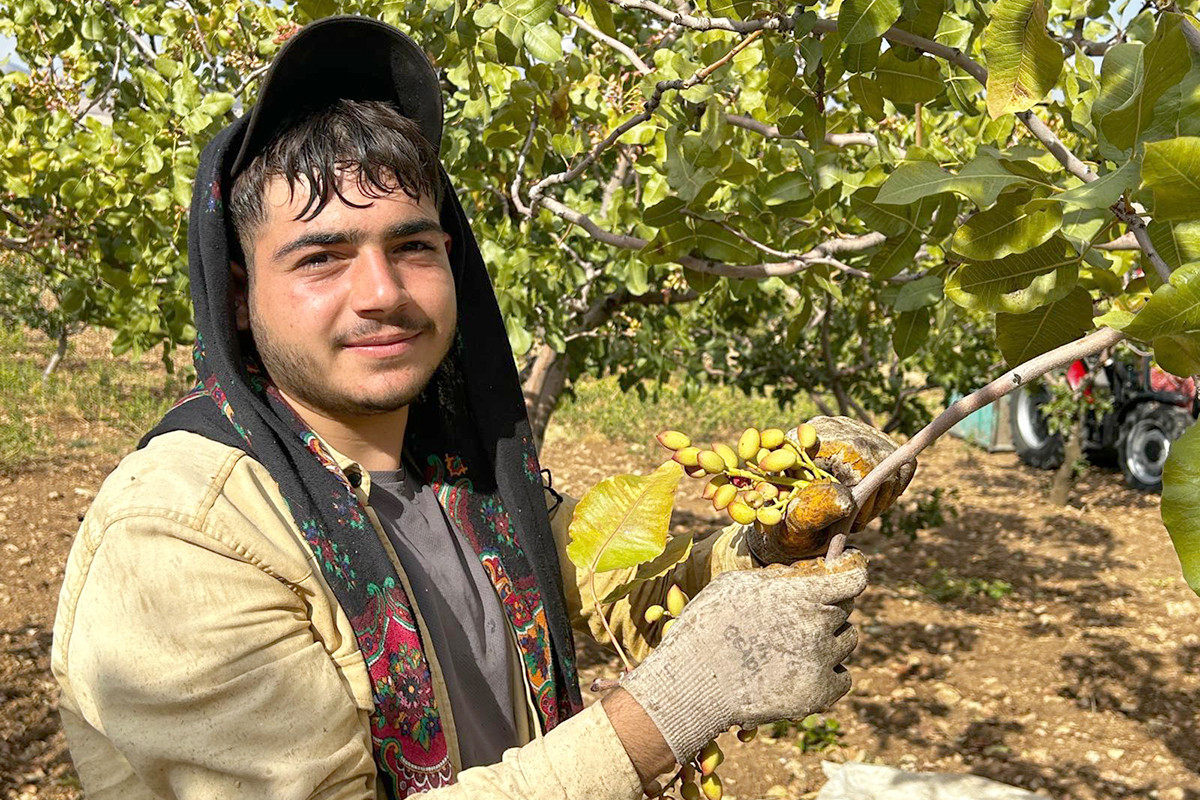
(1064, 477)
(58, 355)
(542, 389)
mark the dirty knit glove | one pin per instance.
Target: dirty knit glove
(849, 451)
(753, 646)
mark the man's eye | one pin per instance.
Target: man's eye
(315, 260)
(414, 246)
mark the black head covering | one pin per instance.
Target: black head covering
(468, 430)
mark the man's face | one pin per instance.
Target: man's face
(352, 310)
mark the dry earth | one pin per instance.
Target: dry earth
(1083, 683)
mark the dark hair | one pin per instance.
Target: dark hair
(369, 139)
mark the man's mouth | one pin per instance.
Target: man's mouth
(383, 345)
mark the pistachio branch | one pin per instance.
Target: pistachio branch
(772, 132)
(616, 44)
(1018, 376)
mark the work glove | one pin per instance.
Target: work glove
(849, 450)
(753, 646)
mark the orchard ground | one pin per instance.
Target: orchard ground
(1052, 648)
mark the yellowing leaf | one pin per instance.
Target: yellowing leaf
(1023, 62)
(622, 521)
(1171, 170)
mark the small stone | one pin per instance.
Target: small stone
(55, 495)
(1092, 757)
(86, 494)
(1115, 752)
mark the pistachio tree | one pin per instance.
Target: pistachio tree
(856, 200)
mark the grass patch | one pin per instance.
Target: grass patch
(91, 401)
(601, 407)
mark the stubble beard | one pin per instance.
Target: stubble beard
(297, 374)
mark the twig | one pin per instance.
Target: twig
(251, 78)
(145, 49)
(515, 190)
(622, 48)
(200, 34)
(770, 23)
(101, 94)
(1017, 376)
(772, 132)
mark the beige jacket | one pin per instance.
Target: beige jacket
(202, 655)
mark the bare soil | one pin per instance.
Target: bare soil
(1084, 682)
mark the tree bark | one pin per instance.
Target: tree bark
(542, 388)
(1064, 476)
(55, 359)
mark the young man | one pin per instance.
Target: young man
(332, 570)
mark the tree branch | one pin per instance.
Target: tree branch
(515, 190)
(772, 132)
(142, 47)
(779, 269)
(770, 23)
(1017, 376)
(634, 59)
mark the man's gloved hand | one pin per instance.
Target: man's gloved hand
(753, 646)
(849, 450)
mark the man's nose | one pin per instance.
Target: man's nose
(378, 287)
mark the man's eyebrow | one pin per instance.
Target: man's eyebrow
(412, 227)
(317, 239)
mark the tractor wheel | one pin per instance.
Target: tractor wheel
(1145, 440)
(1035, 445)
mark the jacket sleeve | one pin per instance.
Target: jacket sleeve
(200, 669)
(723, 551)
(190, 667)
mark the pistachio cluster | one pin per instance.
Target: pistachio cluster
(755, 480)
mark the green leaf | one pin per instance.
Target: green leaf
(1010, 226)
(1104, 191)
(1181, 503)
(1021, 337)
(1177, 242)
(677, 550)
(664, 212)
(1171, 170)
(1023, 61)
(916, 81)
(862, 20)
(980, 181)
(1019, 283)
(623, 521)
(911, 331)
(1172, 310)
(920, 293)
(867, 94)
(544, 42)
(519, 339)
(1165, 60)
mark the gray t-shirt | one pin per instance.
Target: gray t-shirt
(466, 623)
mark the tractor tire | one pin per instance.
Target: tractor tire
(1145, 440)
(1034, 444)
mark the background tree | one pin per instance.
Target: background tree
(751, 191)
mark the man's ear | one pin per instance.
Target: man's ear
(240, 287)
